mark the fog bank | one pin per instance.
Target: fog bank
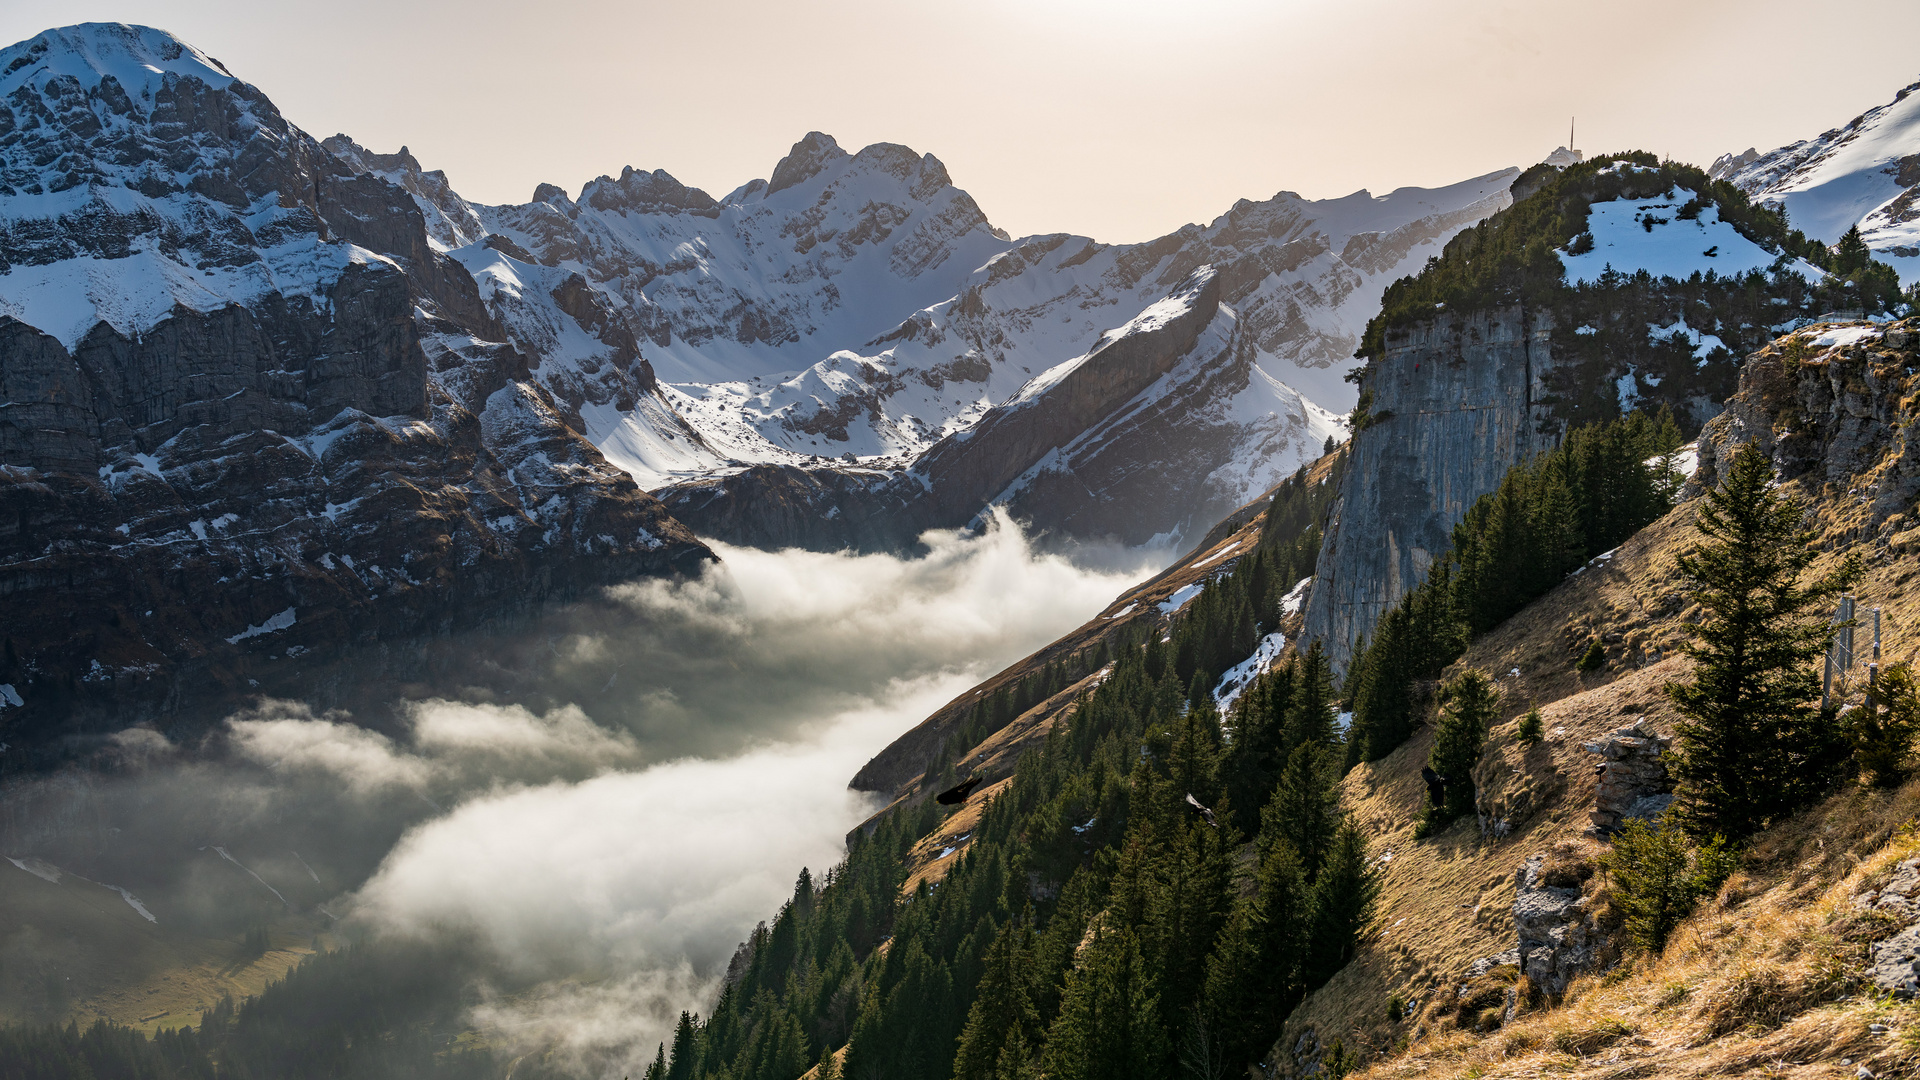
(602, 809)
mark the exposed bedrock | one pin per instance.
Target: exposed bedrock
(1457, 402)
(257, 435)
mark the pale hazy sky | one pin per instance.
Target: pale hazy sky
(1121, 119)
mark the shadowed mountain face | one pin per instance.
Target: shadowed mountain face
(253, 417)
(1135, 442)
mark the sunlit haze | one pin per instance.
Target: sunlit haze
(1121, 120)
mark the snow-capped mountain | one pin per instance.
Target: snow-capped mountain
(294, 379)
(252, 413)
(1864, 173)
(1164, 422)
(856, 309)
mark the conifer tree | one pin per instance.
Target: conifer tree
(1310, 713)
(1254, 975)
(1470, 703)
(1383, 700)
(1531, 727)
(1752, 744)
(1883, 729)
(1343, 902)
(1109, 1023)
(1305, 809)
(1017, 1060)
(1258, 750)
(1003, 1006)
(1193, 754)
(1190, 901)
(682, 1064)
(1851, 253)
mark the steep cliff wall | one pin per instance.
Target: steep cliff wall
(1457, 402)
(965, 471)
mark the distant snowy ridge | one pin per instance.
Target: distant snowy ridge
(1865, 173)
(1301, 279)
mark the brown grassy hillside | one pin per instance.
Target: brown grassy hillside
(1760, 980)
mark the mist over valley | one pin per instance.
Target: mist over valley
(806, 631)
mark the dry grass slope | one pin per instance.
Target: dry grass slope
(1762, 981)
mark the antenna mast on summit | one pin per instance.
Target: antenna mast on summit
(1570, 121)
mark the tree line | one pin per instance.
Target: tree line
(1549, 515)
(1150, 895)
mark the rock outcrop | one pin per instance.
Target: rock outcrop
(1456, 402)
(1830, 403)
(1633, 782)
(1894, 964)
(1554, 920)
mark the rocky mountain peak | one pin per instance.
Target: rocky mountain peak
(1727, 164)
(138, 60)
(643, 192)
(808, 156)
(450, 221)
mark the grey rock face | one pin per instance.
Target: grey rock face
(189, 533)
(449, 220)
(1151, 470)
(1557, 937)
(1901, 896)
(1894, 964)
(1837, 414)
(962, 473)
(781, 506)
(1634, 784)
(1458, 402)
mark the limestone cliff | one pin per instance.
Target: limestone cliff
(1455, 403)
(1568, 308)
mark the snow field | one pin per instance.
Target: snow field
(1671, 248)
